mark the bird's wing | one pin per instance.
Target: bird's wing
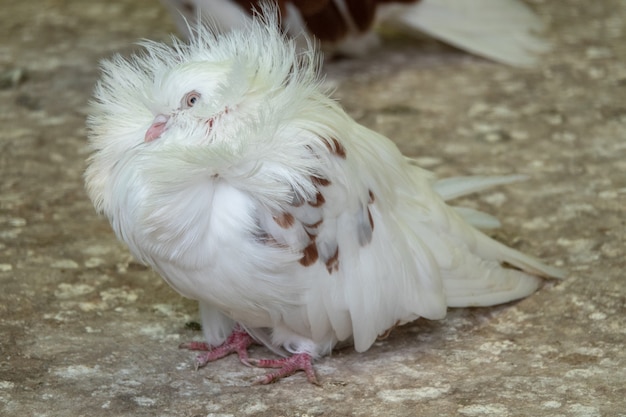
(502, 30)
(379, 245)
(362, 272)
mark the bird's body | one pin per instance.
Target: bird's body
(502, 30)
(226, 167)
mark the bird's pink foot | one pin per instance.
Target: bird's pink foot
(238, 342)
(286, 367)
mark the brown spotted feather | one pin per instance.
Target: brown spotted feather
(284, 220)
(309, 255)
(324, 182)
(319, 200)
(316, 244)
(335, 147)
(332, 263)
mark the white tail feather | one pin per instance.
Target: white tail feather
(502, 30)
(451, 188)
(493, 288)
(485, 282)
(478, 219)
(518, 259)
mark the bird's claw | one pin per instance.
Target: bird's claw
(238, 342)
(286, 367)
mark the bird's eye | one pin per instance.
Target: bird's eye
(190, 99)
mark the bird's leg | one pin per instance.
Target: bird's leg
(286, 367)
(238, 342)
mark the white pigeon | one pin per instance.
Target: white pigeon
(224, 165)
(502, 30)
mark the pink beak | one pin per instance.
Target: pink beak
(157, 128)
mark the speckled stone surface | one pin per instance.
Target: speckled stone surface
(86, 331)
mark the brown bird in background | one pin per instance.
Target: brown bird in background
(501, 30)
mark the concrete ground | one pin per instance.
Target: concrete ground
(87, 331)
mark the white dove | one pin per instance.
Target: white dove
(224, 165)
(502, 30)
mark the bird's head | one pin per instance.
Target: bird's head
(222, 103)
(190, 99)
